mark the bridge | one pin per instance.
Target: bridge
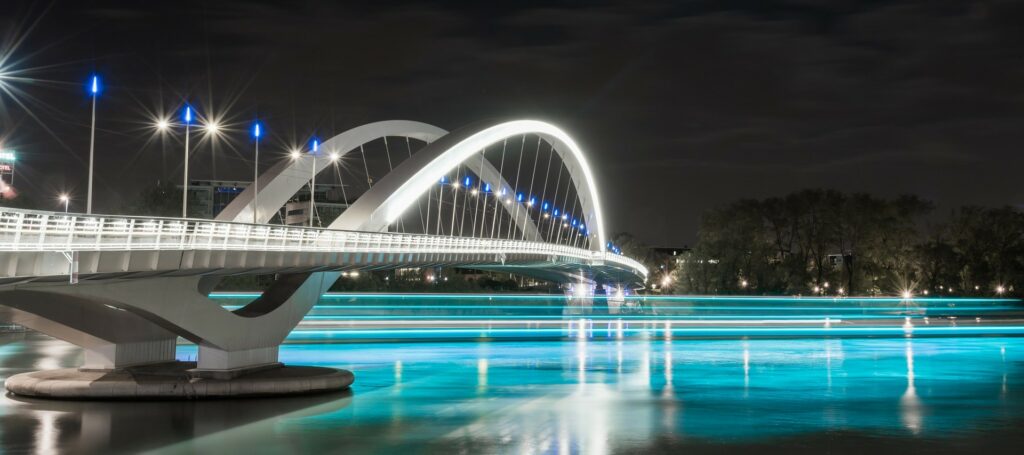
(125, 288)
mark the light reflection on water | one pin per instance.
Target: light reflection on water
(576, 396)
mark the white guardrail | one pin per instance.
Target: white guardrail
(33, 231)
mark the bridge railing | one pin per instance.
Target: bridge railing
(25, 230)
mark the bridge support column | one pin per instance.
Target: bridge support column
(127, 354)
(221, 364)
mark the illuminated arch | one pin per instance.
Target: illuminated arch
(391, 196)
(278, 184)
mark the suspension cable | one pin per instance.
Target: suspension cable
(419, 205)
(515, 193)
(455, 197)
(544, 194)
(533, 178)
(497, 196)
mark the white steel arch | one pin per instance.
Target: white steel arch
(283, 180)
(391, 196)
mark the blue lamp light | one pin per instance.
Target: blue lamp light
(94, 85)
(256, 130)
(187, 115)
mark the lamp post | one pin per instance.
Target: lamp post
(256, 173)
(184, 196)
(94, 90)
(312, 181)
(66, 200)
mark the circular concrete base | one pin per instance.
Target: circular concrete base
(173, 381)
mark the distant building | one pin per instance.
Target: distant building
(207, 198)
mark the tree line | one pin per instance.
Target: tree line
(824, 242)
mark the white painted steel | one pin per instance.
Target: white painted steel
(32, 231)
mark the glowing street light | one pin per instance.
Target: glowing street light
(66, 200)
(312, 180)
(212, 128)
(94, 91)
(256, 133)
(187, 116)
(162, 125)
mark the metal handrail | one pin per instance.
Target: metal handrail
(28, 230)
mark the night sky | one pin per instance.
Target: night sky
(680, 105)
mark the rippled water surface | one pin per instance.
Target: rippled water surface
(809, 395)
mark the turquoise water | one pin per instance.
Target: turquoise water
(585, 391)
(349, 317)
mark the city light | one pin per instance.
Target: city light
(94, 85)
(187, 117)
(333, 156)
(212, 128)
(256, 133)
(162, 125)
(66, 199)
(295, 154)
(94, 89)
(907, 295)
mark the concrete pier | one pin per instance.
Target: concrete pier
(174, 381)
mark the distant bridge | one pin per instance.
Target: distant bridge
(125, 288)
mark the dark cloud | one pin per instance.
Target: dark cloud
(682, 104)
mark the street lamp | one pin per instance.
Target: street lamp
(212, 128)
(162, 125)
(187, 116)
(312, 181)
(94, 91)
(256, 133)
(66, 200)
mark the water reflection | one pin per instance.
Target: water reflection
(910, 404)
(579, 396)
